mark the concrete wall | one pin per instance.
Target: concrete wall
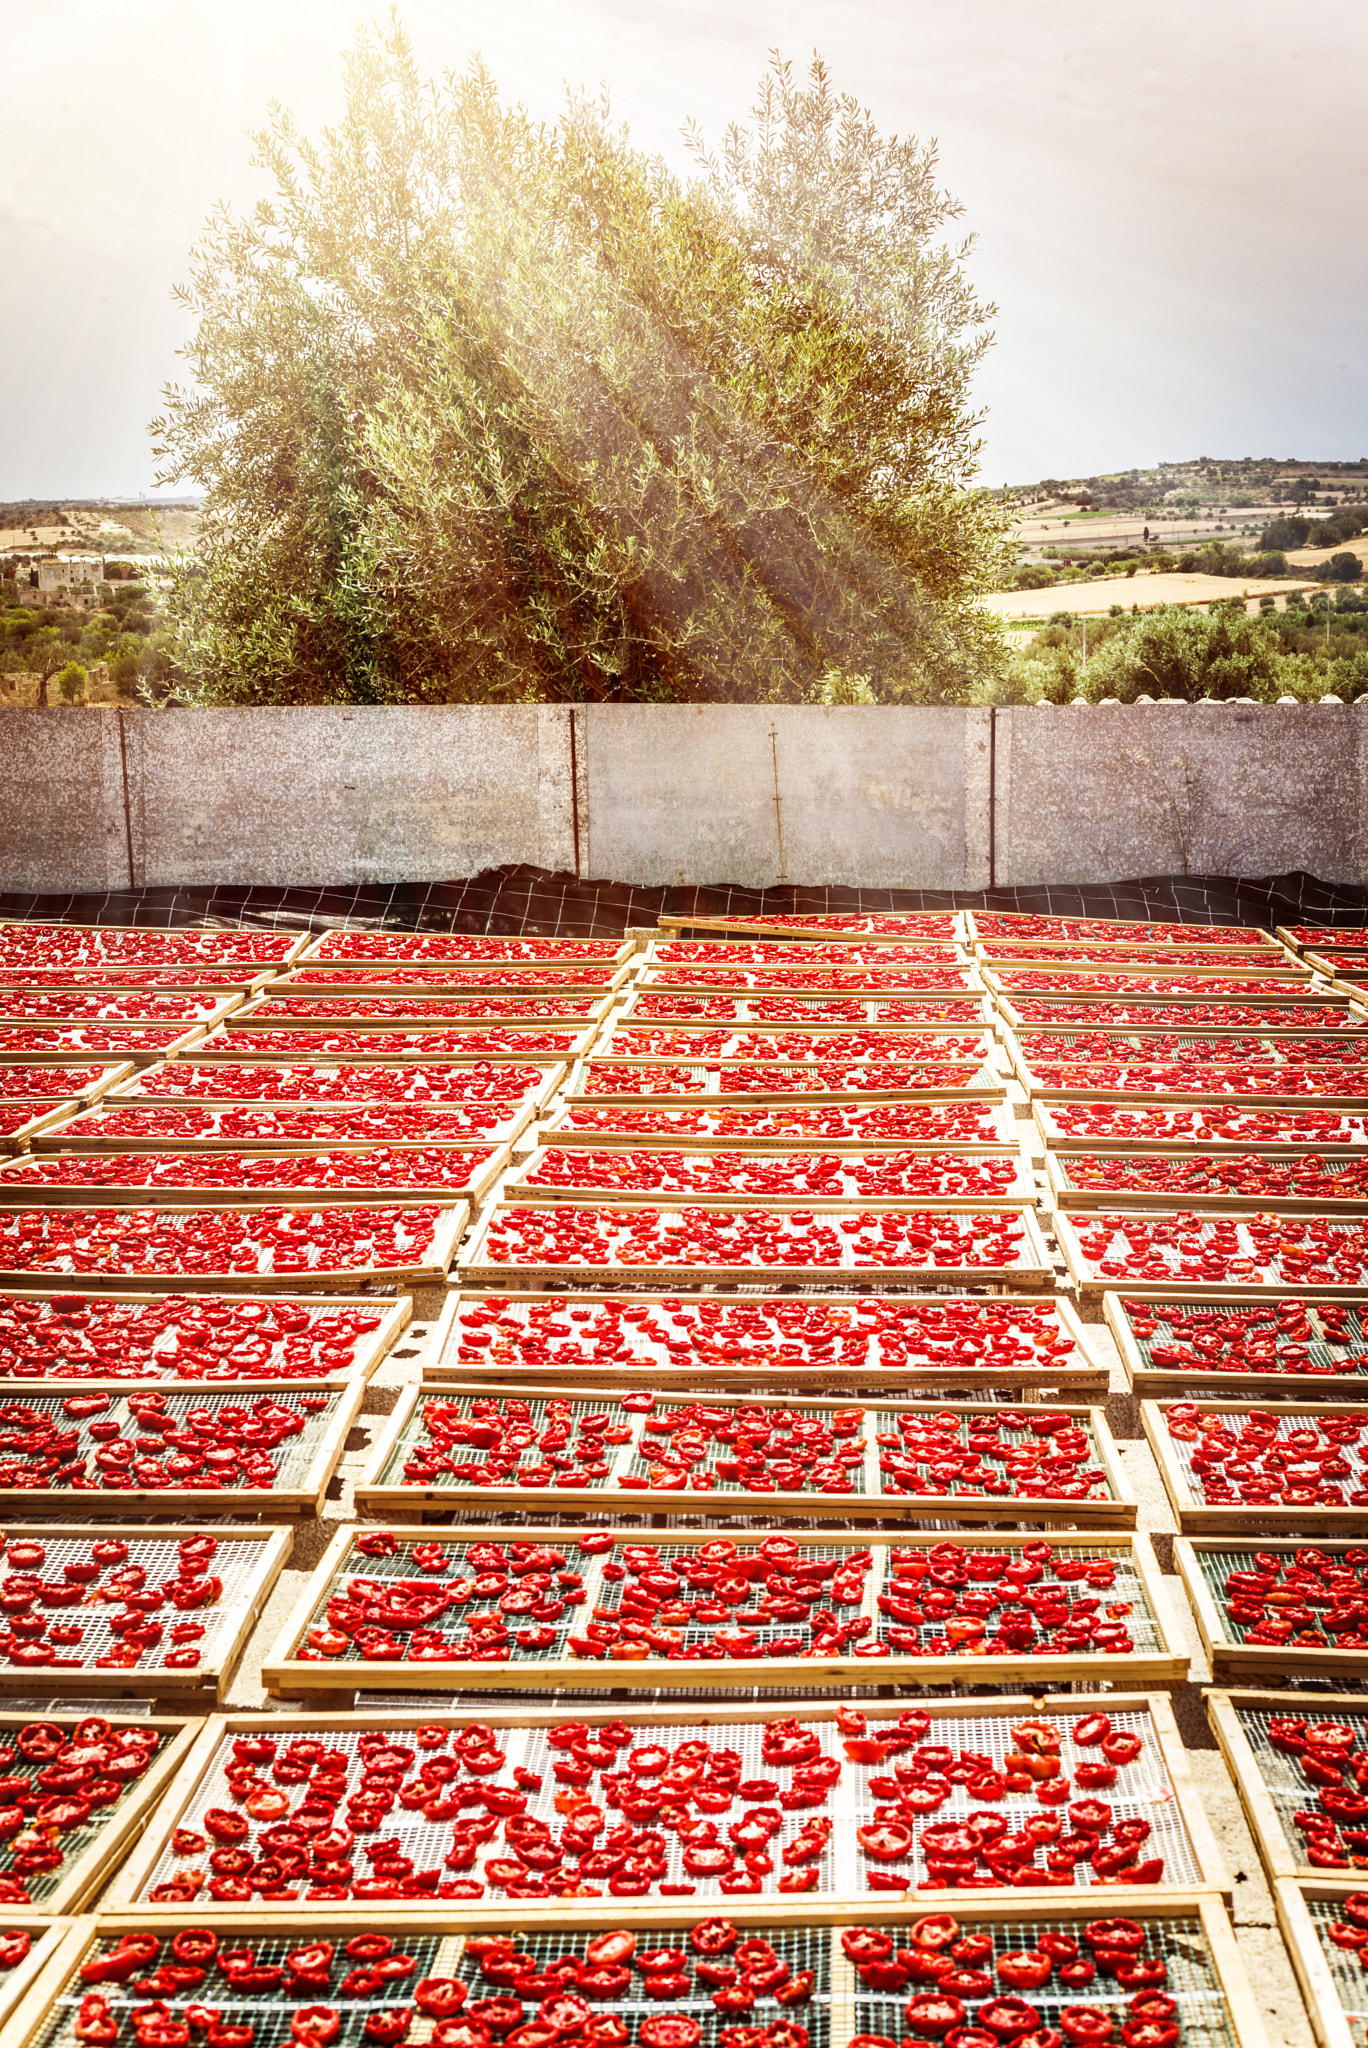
(879, 797)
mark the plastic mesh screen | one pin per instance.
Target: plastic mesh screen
(1238, 1324)
(1283, 1780)
(1346, 1971)
(73, 1841)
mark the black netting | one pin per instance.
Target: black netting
(521, 899)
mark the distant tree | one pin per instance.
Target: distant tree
(1178, 651)
(71, 680)
(1342, 568)
(487, 410)
(1285, 532)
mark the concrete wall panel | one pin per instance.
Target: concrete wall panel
(336, 795)
(1097, 794)
(63, 817)
(757, 794)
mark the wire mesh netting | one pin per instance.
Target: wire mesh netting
(802, 1452)
(519, 899)
(1346, 1971)
(536, 1628)
(267, 2012)
(1233, 1336)
(1286, 1785)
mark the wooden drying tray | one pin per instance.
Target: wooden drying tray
(1051, 950)
(989, 1088)
(224, 1005)
(1090, 1288)
(553, 1073)
(1066, 1196)
(1328, 1986)
(1084, 1373)
(486, 1161)
(673, 928)
(1084, 1090)
(40, 926)
(516, 1730)
(449, 1231)
(96, 1849)
(427, 1013)
(1221, 2004)
(1191, 1383)
(1288, 935)
(519, 1187)
(1282, 1847)
(84, 1134)
(554, 1132)
(297, 1493)
(1166, 1012)
(52, 1938)
(1065, 1142)
(1166, 1664)
(1282, 968)
(1034, 1269)
(242, 1032)
(981, 1014)
(314, 955)
(369, 1350)
(182, 1038)
(249, 1560)
(816, 1034)
(116, 1069)
(396, 1500)
(48, 1111)
(1196, 1518)
(1022, 1036)
(1234, 1662)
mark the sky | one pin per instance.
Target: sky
(1170, 196)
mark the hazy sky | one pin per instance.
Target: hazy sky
(1171, 198)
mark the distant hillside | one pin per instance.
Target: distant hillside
(106, 526)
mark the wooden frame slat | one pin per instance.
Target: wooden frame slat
(519, 1187)
(117, 1827)
(487, 1161)
(1092, 1284)
(447, 1235)
(83, 1133)
(1322, 1981)
(1196, 1517)
(1282, 1849)
(1190, 1382)
(396, 1499)
(1067, 1195)
(1228, 2008)
(996, 1108)
(286, 1674)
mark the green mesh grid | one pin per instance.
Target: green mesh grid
(1203, 2016)
(1321, 1350)
(1215, 1565)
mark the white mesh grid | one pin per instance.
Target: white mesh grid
(1142, 1790)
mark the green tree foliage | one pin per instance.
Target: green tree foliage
(1179, 652)
(1288, 531)
(491, 411)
